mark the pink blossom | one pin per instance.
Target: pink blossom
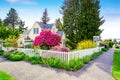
(47, 38)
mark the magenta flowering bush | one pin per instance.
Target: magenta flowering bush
(47, 39)
(60, 48)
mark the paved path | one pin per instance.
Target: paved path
(99, 69)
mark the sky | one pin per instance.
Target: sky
(32, 10)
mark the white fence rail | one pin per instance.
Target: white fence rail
(65, 56)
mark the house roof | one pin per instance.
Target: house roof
(46, 26)
(60, 33)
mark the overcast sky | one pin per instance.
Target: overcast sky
(32, 10)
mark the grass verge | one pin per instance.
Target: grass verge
(5, 76)
(116, 65)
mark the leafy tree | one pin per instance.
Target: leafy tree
(81, 20)
(58, 24)
(45, 17)
(13, 19)
(6, 32)
(1, 23)
(13, 32)
(3, 31)
(11, 41)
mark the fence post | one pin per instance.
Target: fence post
(68, 53)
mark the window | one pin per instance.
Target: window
(36, 31)
(21, 42)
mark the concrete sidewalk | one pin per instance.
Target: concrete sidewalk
(98, 69)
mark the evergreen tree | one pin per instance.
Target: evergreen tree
(70, 24)
(58, 24)
(90, 13)
(21, 26)
(45, 17)
(12, 18)
(81, 20)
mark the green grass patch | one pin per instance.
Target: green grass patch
(116, 65)
(5, 76)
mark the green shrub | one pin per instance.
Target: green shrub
(7, 55)
(64, 65)
(87, 59)
(110, 43)
(26, 58)
(104, 49)
(86, 44)
(1, 52)
(75, 64)
(54, 62)
(16, 57)
(35, 60)
(95, 55)
(45, 61)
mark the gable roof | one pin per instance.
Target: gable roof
(46, 26)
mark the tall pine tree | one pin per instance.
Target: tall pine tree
(81, 20)
(13, 19)
(45, 17)
(90, 13)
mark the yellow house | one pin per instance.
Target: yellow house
(36, 29)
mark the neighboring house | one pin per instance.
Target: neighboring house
(36, 29)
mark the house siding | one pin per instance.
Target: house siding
(31, 34)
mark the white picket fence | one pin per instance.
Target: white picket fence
(65, 56)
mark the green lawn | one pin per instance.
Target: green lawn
(5, 76)
(116, 65)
